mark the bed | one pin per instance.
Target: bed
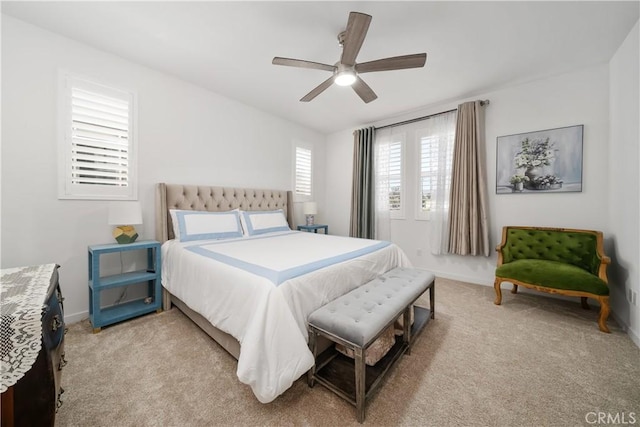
(253, 293)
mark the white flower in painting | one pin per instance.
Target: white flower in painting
(521, 161)
(534, 153)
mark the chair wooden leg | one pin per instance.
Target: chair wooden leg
(515, 289)
(583, 301)
(496, 286)
(604, 314)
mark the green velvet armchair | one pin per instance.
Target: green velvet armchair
(555, 260)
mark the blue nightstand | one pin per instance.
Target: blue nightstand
(153, 302)
(314, 228)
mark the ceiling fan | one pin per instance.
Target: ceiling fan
(346, 71)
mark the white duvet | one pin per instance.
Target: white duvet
(262, 289)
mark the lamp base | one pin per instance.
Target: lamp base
(310, 220)
(125, 234)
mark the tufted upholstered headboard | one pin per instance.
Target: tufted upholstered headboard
(215, 199)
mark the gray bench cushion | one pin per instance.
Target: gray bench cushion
(359, 315)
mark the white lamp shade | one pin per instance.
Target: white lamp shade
(125, 213)
(310, 208)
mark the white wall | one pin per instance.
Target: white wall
(570, 99)
(624, 182)
(338, 173)
(186, 135)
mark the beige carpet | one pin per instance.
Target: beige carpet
(534, 361)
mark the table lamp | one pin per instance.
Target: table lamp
(310, 209)
(123, 215)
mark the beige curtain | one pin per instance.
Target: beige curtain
(363, 186)
(468, 224)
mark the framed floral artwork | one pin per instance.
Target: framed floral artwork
(544, 161)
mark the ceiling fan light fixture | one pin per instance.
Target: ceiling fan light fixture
(345, 78)
(346, 72)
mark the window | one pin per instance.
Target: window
(390, 174)
(97, 141)
(431, 156)
(303, 173)
(436, 143)
(395, 176)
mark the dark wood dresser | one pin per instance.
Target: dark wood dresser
(32, 313)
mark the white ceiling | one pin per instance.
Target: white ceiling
(227, 47)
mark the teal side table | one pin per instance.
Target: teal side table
(152, 302)
(314, 228)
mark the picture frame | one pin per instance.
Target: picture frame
(543, 161)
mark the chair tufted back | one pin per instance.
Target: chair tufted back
(215, 199)
(576, 247)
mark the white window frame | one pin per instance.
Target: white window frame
(298, 197)
(67, 189)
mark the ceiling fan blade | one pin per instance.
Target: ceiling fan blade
(364, 91)
(302, 64)
(318, 90)
(396, 63)
(357, 28)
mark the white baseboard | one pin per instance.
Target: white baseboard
(79, 317)
(632, 334)
(461, 278)
(620, 323)
(76, 317)
(634, 337)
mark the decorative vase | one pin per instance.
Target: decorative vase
(533, 173)
(518, 186)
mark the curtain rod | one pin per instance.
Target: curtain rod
(406, 122)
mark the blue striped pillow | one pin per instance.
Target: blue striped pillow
(200, 225)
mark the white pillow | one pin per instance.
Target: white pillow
(201, 225)
(260, 222)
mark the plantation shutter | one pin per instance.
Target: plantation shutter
(395, 175)
(99, 139)
(303, 172)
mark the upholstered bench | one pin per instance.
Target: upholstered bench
(356, 320)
